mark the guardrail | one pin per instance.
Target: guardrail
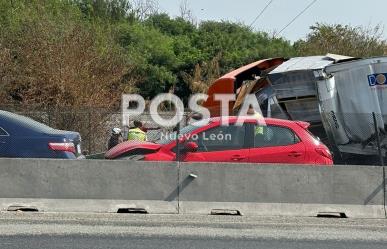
(199, 188)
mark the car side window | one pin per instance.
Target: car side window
(3, 132)
(271, 136)
(231, 137)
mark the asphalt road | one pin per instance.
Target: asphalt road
(37, 231)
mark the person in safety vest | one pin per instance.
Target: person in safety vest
(137, 133)
(259, 129)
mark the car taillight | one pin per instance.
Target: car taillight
(70, 147)
(324, 152)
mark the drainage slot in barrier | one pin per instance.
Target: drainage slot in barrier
(132, 211)
(19, 208)
(225, 212)
(331, 215)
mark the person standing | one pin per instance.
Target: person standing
(115, 138)
(137, 133)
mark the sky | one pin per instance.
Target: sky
(280, 12)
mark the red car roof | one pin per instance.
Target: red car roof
(273, 121)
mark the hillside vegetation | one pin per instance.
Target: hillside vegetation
(56, 53)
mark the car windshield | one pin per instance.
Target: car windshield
(169, 137)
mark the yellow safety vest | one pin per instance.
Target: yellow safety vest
(259, 127)
(136, 134)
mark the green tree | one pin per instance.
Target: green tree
(152, 54)
(187, 55)
(112, 10)
(169, 26)
(238, 44)
(343, 39)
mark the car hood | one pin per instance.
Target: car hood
(127, 146)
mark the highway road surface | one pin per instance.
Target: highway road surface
(93, 231)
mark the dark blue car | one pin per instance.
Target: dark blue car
(26, 138)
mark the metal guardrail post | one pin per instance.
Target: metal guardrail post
(89, 132)
(378, 140)
(178, 166)
(177, 143)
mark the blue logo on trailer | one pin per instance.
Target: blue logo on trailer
(379, 79)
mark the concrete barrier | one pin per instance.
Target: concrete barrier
(282, 190)
(198, 188)
(88, 186)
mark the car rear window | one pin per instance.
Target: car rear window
(271, 136)
(3, 132)
(26, 122)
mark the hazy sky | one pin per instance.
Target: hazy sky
(281, 12)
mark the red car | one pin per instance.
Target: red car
(274, 141)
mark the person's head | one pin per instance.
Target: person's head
(137, 124)
(251, 111)
(116, 131)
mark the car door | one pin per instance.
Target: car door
(4, 142)
(220, 144)
(275, 144)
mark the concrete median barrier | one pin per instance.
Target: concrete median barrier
(88, 186)
(194, 188)
(282, 190)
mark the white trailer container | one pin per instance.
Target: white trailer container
(348, 94)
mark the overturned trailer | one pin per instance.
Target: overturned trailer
(353, 104)
(336, 94)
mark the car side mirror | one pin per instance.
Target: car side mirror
(190, 147)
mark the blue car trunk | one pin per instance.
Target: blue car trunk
(23, 137)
